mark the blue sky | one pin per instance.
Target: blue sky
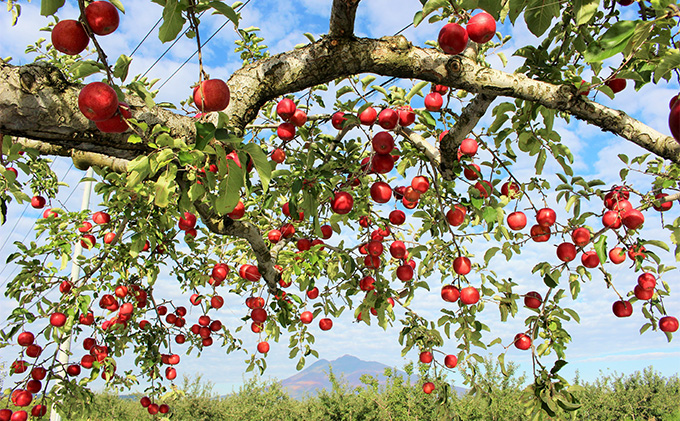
(600, 341)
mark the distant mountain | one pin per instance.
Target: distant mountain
(347, 368)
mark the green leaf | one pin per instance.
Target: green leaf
(669, 62)
(83, 69)
(120, 70)
(310, 37)
(539, 14)
(490, 253)
(433, 5)
(344, 90)
(261, 163)
(501, 362)
(165, 187)
(612, 42)
(141, 91)
(601, 248)
(205, 132)
(173, 21)
(225, 10)
(558, 366)
(657, 243)
(229, 189)
(540, 161)
(516, 8)
(118, 5)
(417, 18)
(50, 7)
(493, 7)
(585, 10)
(367, 80)
(549, 281)
(574, 315)
(415, 90)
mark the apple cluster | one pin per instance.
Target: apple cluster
(453, 38)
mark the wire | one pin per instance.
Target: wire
(145, 37)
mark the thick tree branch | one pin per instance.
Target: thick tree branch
(82, 160)
(342, 18)
(468, 119)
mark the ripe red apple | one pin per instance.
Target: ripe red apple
(313, 293)
(622, 308)
(263, 347)
(462, 265)
(406, 116)
(98, 101)
(216, 302)
(580, 236)
(450, 293)
(397, 217)
(540, 234)
(38, 411)
(259, 315)
(481, 27)
(398, 249)
(450, 361)
(616, 84)
(510, 189)
(469, 295)
(433, 101)
(38, 373)
(647, 281)
(668, 324)
(219, 272)
(485, 188)
(299, 118)
(382, 164)
(338, 119)
(425, 357)
(663, 207)
(522, 341)
(102, 17)
(428, 387)
(278, 155)
(57, 319)
(383, 143)
(211, 95)
(325, 324)
(5, 414)
(517, 220)
(566, 252)
(468, 147)
(25, 338)
(472, 171)
(533, 299)
(616, 194)
(388, 119)
(21, 398)
(546, 217)
(285, 109)
(617, 255)
(73, 370)
(286, 131)
(453, 38)
(238, 212)
(368, 116)
(38, 202)
(249, 273)
(101, 218)
(612, 219)
(420, 183)
(405, 273)
(633, 219)
(643, 294)
(109, 237)
(456, 216)
(381, 192)
(33, 350)
(590, 259)
(286, 211)
(69, 37)
(326, 232)
(117, 123)
(342, 203)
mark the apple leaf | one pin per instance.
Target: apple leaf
(585, 10)
(433, 5)
(417, 18)
(493, 7)
(539, 15)
(601, 248)
(668, 63)
(225, 10)
(50, 7)
(416, 90)
(573, 314)
(261, 163)
(515, 9)
(165, 187)
(83, 69)
(122, 66)
(173, 21)
(229, 190)
(657, 243)
(118, 5)
(367, 80)
(204, 133)
(612, 42)
(550, 281)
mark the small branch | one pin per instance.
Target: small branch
(422, 144)
(343, 14)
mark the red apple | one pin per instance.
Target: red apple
(456, 216)
(633, 219)
(397, 217)
(428, 387)
(381, 192)
(33, 350)
(406, 116)
(101, 218)
(338, 119)
(453, 38)
(481, 28)
(405, 273)
(450, 293)
(263, 347)
(580, 236)
(674, 121)
(313, 293)
(450, 361)
(388, 119)
(102, 17)
(611, 219)
(398, 249)
(522, 341)
(216, 302)
(249, 273)
(285, 109)
(462, 265)
(425, 357)
(98, 101)
(38, 202)
(368, 116)
(117, 123)
(472, 171)
(278, 155)
(517, 220)
(510, 189)
(433, 101)
(485, 188)
(643, 294)
(661, 208)
(69, 37)
(539, 234)
(109, 237)
(647, 281)
(468, 147)
(219, 272)
(668, 324)
(57, 319)
(420, 183)
(325, 324)
(299, 118)
(211, 95)
(440, 89)
(383, 143)
(616, 84)
(73, 370)
(533, 299)
(566, 252)
(342, 203)
(622, 308)
(286, 131)
(366, 283)
(617, 255)
(590, 259)
(469, 295)
(546, 217)
(88, 241)
(326, 232)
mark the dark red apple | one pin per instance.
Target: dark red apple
(38, 202)
(450, 293)
(433, 101)
(383, 143)
(633, 219)
(647, 281)
(622, 308)
(98, 101)
(522, 341)
(643, 294)
(668, 324)
(472, 172)
(382, 164)
(69, 37)
(388, 119)
(117, 123)
(325, 324)
(285, 109)
(580, 236)
(453, 38)
(616, 84)
(405, 273)
(510, 189)
(211, 95)
(406, 116)
(546, 217)
(451, 361)
(663, 207)
(590, 259)
(533, 300)
(286, 131)
(485, 188)
(338, 119)
(102, 17)
(397, 217)
(299, 118)
(368, 116)
(566, 252)
(342, 203)
(456, 216)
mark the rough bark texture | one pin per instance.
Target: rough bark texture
(342, 18)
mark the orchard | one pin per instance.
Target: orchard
(307, 186)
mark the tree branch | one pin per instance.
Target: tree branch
(342, 18)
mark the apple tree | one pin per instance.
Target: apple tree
(255, 187)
